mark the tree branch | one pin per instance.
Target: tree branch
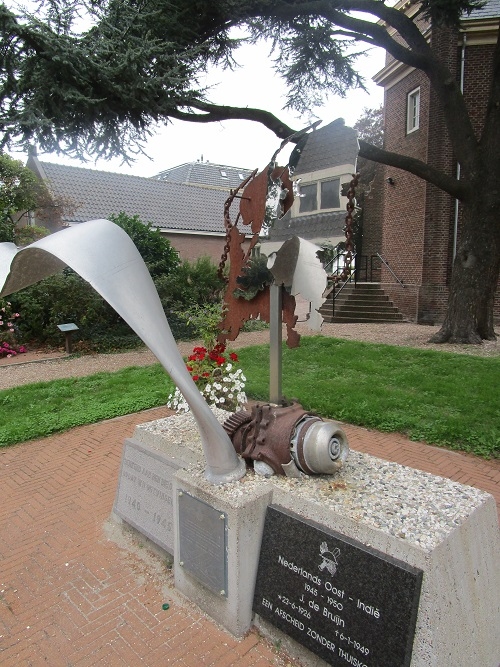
(214, 112)
(415, 52)
(457, 189)
(419, 54)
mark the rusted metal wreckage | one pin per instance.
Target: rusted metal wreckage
(253, 198)
(253, 194)
(283, 438)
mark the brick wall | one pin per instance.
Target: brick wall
(372, 226)
(417, 219)
(477, 82)
(440, 207)
(404, 201)
(193, 246)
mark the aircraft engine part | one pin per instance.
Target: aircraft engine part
(288, 440)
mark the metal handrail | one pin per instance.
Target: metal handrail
(334, 259)
(387, 265)
(349, 278)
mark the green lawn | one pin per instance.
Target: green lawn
(441, 398)
(36, 410)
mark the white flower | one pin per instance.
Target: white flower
(226, 389)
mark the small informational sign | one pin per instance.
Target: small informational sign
(344, 601)
(67, 327)
(203, 542)
(144, 498)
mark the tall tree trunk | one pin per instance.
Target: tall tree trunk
(469, 318)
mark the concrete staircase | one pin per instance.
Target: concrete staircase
(363, 302)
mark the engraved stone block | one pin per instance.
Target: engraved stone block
(346, 602)
(144, 495)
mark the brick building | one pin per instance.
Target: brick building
(411, 223)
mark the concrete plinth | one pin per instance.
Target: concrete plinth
(448, 531)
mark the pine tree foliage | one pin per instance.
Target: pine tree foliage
(94, 77)
(100, 90)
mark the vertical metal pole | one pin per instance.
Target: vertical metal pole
(69, 347)
(275, 344)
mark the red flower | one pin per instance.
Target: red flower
(190, 368)
(196, 378)
(233, 356)
(205, 375)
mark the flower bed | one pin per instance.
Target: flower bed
(217, 376)
(8, 328)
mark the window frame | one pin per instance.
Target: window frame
(335, 179)
(413, 110)
(318, 196)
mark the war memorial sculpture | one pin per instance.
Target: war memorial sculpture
(342, 563)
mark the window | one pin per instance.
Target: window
(319, 196)
(330, 194)
(413, 111)
(308, 198)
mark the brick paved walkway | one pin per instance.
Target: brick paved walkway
(71, 597)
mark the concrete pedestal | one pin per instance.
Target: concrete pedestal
(447, 530)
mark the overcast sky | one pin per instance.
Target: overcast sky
(239, 143)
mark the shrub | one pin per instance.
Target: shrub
(9, 330)
(66, 297)
(156, 251)
(191, 284)
(62, 298)
(26, 235)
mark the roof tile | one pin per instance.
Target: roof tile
(99, 194)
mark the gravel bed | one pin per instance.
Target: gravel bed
(41, 367)
(400, 501)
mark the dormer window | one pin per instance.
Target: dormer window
(413, 111)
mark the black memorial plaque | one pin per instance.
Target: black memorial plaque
(348, 603)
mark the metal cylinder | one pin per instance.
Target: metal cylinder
(319, 447)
